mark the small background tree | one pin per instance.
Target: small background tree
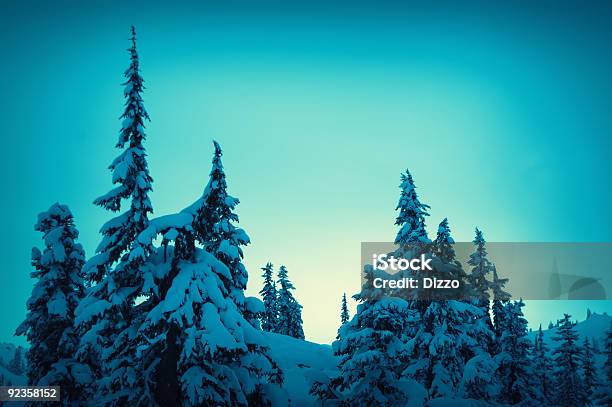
(289, 310)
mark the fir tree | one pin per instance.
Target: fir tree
(603, 393)
(437, 358)
(216, 231)
(289, 310)
(211, 353)
(500, 298)
(16, 364)
(570, 386)
(542, 368)
(608, 353)
(515, 370)
(479, 286)
(443, 245)
(446, 264)
(448, 329)
(371, 350)
(479, 381)
(589, 372)
(108, 317)
(49, 323)
(344, 313)
(481, 268)
(412, 238)
(130, 173)
(268, 294)
(412, 213)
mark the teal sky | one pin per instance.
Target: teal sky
(502, 114)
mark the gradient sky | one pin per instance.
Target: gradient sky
(502, 114)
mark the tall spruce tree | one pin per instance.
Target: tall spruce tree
(412, 213)
(344, 312)
(108, 317)
(289, 310)
(412, 238)
(542, 368)
(567, 355)
(131, 174)
(515, 370)
(49, 323)
(268, 294)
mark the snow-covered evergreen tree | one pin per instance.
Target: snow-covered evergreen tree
(479, 285)
(570, 387)
(372, 348)
(49, 323)
(603, 393)
(412, 239)
(589, 372)
(344, 312)
(196, 333)
(449, 329)
(500, 298)
(211, 353)
(268, 294)
(542, 368)
(216, 231)
(16, 364)
(446, 264)
(437, 358)
(481, 268)
(515, 369)
(608, 353)
(412, 213)
(215, 226)
(289, 310)
(479, 381)
(108, 317)
(443, 244)
(131, 174)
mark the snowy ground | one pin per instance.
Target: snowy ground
(300, 361)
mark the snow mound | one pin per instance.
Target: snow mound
(300, 360)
